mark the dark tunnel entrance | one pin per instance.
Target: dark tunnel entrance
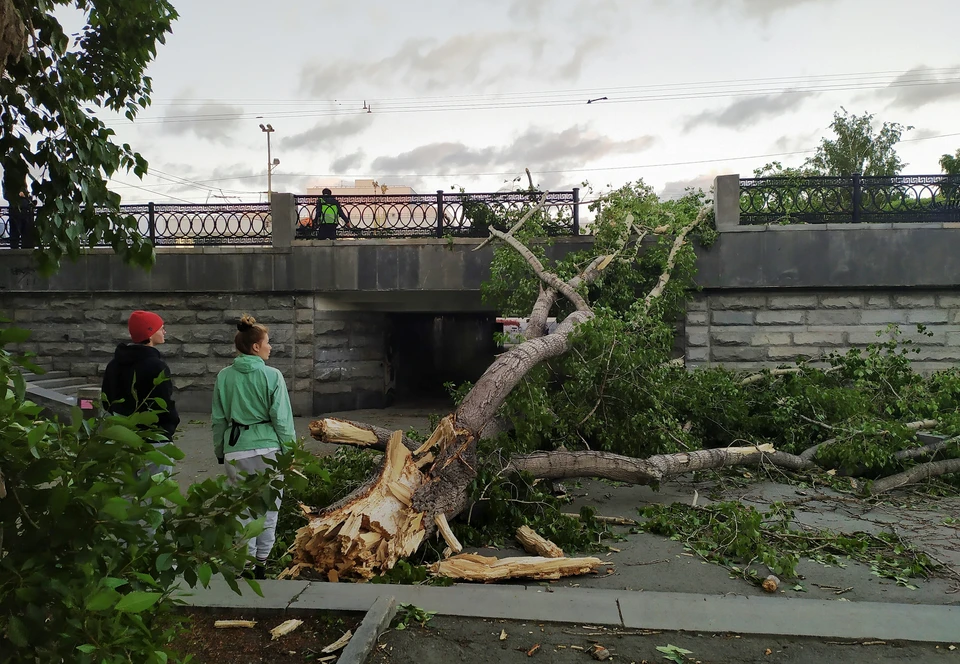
(426, 350)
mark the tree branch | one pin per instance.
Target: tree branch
(931, 448)
(335, 431)
(549, 278)
(916, 474)
(678, 242)
(536, 208)
(560, 465)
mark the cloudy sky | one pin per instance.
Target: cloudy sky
(467, 94)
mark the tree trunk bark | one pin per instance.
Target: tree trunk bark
(561, 465)
(916, 474)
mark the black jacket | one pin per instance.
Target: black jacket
(128, 384)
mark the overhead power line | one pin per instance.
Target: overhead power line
(634, 94)
(542, 172)
(726, 83)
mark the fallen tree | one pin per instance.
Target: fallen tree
(389, 516)
(617, 391)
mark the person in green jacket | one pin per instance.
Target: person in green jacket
(252, 421)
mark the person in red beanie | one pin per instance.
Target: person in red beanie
(128, 381)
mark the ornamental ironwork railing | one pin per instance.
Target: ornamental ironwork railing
(854, 199)
(439, 215)
(190, 224)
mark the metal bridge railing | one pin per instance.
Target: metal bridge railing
(854, 199)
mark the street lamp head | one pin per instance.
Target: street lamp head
(269, 127)
(276, 162)
(262, 128)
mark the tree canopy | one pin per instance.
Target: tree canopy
(52, 85)
(858, 147)
(950, 163)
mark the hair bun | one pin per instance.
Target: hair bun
(246, 323)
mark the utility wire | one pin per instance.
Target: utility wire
(545, 172)
(855, 76)
(680, 94)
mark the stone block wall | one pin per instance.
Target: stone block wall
(350, 369)
(332, 360)
(751, 329)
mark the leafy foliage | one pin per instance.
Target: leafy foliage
(740, 537)
(858, 147)
(950, 163)
(92, 548)
(619, 355)
(410, 614)
(502, 504)
(49, 131)
(617, 391)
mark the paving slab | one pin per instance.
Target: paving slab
(365, 639)
(797, 617)
(639, 610)
(510, 602)
(276, 595)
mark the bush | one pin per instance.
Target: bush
(91, 549)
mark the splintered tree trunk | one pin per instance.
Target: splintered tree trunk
(373, 528)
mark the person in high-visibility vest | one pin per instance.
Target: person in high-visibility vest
(328, 211)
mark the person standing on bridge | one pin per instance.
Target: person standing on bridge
(21, 223)
(252, 421)
(328, 212)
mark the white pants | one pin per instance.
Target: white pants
(150, 469)
(236, 463)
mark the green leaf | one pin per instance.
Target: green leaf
(102, 600)
(17, 633)
(204, 572)
(164, 562)
(122, 434)
(253, 528)
(164, 488)
(255, 585)
(86, 648)
(113, 582)
(157, 457)
(116, 507)
(173, 452)
(36, 434)
(14, 335)
(138, 601)
(19, 386)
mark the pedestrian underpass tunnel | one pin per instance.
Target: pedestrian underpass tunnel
(426, 350)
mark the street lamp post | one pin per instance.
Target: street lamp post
(268, 129)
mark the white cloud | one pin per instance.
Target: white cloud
(208, 121)
(750, 110)
(920, 87)
(535, 148)
(327, 132)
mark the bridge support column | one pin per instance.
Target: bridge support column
(283, 209)
(726, 205)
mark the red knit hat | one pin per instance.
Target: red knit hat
(143, 325)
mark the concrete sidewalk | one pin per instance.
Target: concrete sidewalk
(195, 440)
(637, 610)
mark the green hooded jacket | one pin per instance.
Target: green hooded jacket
(254, 396)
